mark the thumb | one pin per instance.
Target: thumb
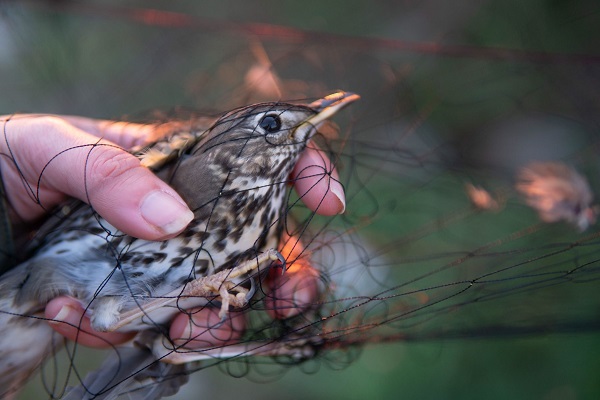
(59, 158)
(130, 197)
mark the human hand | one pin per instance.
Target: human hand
(37, 181)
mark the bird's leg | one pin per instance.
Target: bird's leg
(218, 284)
(222, 283)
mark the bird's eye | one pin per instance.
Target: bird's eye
(270, 123)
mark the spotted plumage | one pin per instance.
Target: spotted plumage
(232, 174)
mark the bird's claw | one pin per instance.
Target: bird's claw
(281, 259)
(252, 290)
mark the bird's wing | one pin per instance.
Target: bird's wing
(131, 373)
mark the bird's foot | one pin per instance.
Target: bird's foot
(219, 285)
(222, 284)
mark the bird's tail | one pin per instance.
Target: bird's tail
(25, 342)
(26, 338)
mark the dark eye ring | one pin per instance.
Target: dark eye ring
(271, 123)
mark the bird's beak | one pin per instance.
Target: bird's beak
(329, 105)
(325, 108)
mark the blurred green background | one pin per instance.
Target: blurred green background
(506, 74)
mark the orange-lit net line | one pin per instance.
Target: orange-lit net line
(179, 20)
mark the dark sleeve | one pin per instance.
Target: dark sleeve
(7, 250)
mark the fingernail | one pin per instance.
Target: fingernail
(62, 315)
(338, 191)
(165, 212)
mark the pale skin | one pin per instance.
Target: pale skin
(127, 195)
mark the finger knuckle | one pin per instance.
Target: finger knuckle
(51, 123)
(111, 164)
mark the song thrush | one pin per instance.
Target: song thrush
(233, 176)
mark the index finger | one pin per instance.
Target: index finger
(125, 134)
(317, 182)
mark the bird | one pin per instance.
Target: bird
(233, 176)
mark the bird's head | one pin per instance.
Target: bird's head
(255, 145)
